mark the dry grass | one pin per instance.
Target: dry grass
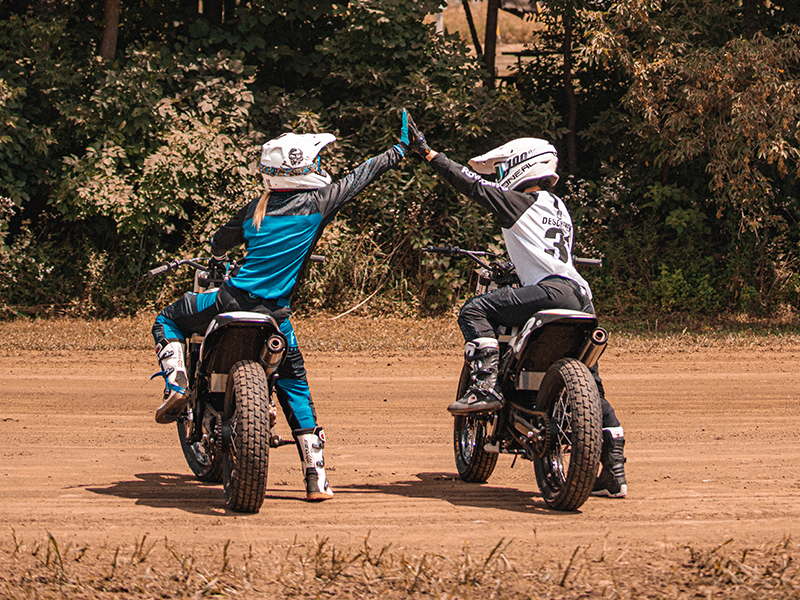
(324, 333)
(46, 569)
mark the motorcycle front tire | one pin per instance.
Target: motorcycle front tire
(474, 464)
(246, 461)
(204, 457)
(567, 471)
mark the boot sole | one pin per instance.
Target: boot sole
(318, 497)
(170, 412)
(622, 493)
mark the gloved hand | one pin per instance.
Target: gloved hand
(404, 142)
(415, 136)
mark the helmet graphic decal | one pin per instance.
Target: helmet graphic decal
(295, 156)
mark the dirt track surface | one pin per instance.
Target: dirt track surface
(713, 449)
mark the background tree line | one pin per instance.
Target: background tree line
(677, 124)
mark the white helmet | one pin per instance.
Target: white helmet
(291, 161)
(519, 162)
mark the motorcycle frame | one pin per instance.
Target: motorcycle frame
(230, 337)
(516, 428)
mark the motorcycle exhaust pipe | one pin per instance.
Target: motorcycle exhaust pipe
(594, 347)
(272, 354)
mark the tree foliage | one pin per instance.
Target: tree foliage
(684, 170)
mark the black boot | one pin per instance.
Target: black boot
(611, 482)
(483, 356)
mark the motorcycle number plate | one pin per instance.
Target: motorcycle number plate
(529, 380)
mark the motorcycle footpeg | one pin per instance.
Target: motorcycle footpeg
(492, 448)
(473, 410)
(276, 441)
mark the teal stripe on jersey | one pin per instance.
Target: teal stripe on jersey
(275, 254)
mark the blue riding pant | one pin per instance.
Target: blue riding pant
(194, 312)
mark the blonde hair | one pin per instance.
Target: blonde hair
(261, 209)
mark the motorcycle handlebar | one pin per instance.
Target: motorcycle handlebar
(588, 262)
(165, 268)
(171, 265)
(456, 251)
(447, 250)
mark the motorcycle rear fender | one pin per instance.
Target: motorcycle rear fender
(548, 336)
(232, 337)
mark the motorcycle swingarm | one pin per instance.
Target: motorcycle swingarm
(530, 429)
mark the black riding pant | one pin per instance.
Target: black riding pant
(512, 307)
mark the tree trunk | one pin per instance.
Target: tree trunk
(473, 32)
(108, 47)
(569, 91)
(490, 42)
(219, 11)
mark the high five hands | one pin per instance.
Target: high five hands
(412, 137)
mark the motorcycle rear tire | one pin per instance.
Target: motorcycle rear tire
(203, 458)
(567, 471)
(474, 464)
(245, 464)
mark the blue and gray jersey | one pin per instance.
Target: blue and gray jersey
(278, 250)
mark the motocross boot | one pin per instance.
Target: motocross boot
(176, 391)
(483, 395)
(310, 443)
(611, 482)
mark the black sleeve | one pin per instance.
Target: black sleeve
(229, 235)
(332, 197)
(506, 205)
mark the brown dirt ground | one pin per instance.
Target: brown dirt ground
(713, 447)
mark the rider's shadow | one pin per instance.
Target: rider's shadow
(168, 490)
(447, 487)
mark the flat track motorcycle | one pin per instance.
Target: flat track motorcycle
(228, 428)
(552, 414)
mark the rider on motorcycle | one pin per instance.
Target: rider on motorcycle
(538, 233)
(279, 230)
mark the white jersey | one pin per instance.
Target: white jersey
(537, 227)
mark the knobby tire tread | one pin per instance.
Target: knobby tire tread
(482, 464)
(246, 485)
(586, 413)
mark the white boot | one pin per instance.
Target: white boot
(176, 391)
(310, 443)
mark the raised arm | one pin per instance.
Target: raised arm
(336, 195)
(506, 205)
